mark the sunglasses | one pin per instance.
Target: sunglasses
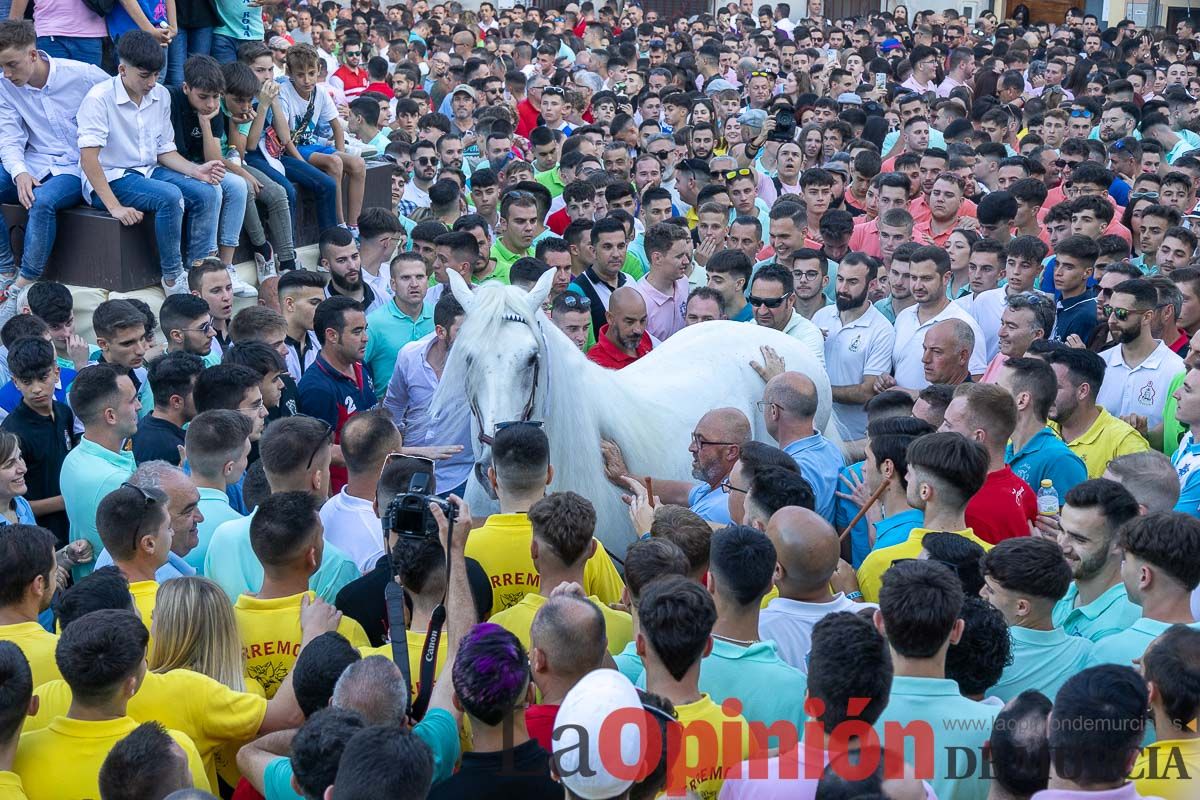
(758, 74)
(1122, 314)
(571, 300)
(744, 172)
(353, 53)
(328, 435)
(1063, 163)
(661, 155)
(1143, 196)
(148, 500)
(557, 91)
(769, 302)
(1078, 113)
(427, 161)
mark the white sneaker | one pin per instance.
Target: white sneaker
(265, 268)
(240, 287)
(180, 286)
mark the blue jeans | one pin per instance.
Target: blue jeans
(234, 191)
(168, 194)
(323, 188)
(224, 48)
(187, 42)
(87, 50)
(56, 193)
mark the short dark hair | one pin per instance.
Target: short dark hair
(105, 588)
(26, 551)
(94, 389)
(287, 444)
(30, 358)
(920, 601)
(958, 465)
(173, 374)
(1172, 664)
(223, 386)
(849, 659)
(564, 522)
(775, 273)
(140, 50)
(520, 455)
(317, 748)
(1113, 500)
(978, 658)
(214, 438)
(283, 526)
(1029, 566)
(1083, 366)
(180, 309)
(1097, 723)
(116, 315)
(742, 563)
(23, 326)
(256, 355)
(204, 73)
(94, 658)
(677, 616)
(331, 313)
(50, 300)
(890, 438)
(772, 488)
(648, 559)
(1169, 540)
(383, 761)
(1017, 748)
(143, 764)
(320, 663)
(125, 515)
(16, 686)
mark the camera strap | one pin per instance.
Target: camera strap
(393, 598)
(428, 672)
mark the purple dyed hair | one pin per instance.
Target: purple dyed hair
(491, 673)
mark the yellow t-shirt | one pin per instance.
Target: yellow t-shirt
(62, 761)
(1160, 769)
(416, 644)
(870, 573)
(1107, 438)
(10, 786)
(501, 546)
(708, 776)
(618, 625)
(209, 713)
(145, 593)
(38, 645)
(271, 636)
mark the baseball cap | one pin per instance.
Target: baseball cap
(279, 43)
(717, 85)
(1178, 94)
(596, 698)
(464, 88)
(754, 117)
(891, 44)
(837, 165)
(849, 98)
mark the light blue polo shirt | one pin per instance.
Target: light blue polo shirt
(820, 461)
(936, 139)
(1110, 613)
(175, 567)
(769, 689)
(391, 329)
(25, 515)
(1122, 648)
(629, 663)
(710, 503)
(637, 248)
(885, 307)
(1047, 456)
(895, 529)
(1042, 660)
(955, 724)
(844, 511)
(239, 572)
(1186, 460)
(89, 473)
(215, 508)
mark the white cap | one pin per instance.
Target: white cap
(598, 695)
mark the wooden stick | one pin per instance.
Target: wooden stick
(875, 495)
(650, 491)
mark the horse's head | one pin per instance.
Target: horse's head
(500, 351)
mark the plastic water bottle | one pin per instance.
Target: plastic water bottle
(1047, 498)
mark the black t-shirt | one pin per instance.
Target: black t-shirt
(157, 440)
(521, 773)
(45, 442)
(189, 141)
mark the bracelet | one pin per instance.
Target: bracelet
(854, 595)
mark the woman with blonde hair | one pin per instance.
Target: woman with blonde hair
(194, 628)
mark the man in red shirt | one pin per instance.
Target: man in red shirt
(623, 339)
(1006, 505)
(351, 77)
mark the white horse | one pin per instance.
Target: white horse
(511, 362)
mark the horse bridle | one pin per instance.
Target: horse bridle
(527, 412)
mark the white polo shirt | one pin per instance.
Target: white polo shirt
(985, 308)
(351, 526)
(1138, 390)
(802, 329)
(852, 351)
(910, 344)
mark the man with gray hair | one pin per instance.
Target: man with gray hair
(567, 640)
(1150, 478)
(374, 687)
(1164, 323)
(789, 404)
(183, 500)
(947, 352)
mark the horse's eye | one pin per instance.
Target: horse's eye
(532, 360)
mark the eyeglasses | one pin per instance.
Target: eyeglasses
(205, 328)
(572, 300)
(700, 443)
(769, 302)
(728, 487)
(1123, 314)
(1143, 196)
(744, 172)
(432, 162)
(763, 405)
(557, 91)
(808, 275)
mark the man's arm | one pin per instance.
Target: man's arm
(670, 492)
(254, 758)
(855, 394)
(460, 607)
(89, 161)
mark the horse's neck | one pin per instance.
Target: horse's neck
(623, 416)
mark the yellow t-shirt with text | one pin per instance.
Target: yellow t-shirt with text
(501, 546)
(208, 712)
(62, 761)
(618, 626)
(271, 636)
(38, 645)
(704, 722)
(1169, 769)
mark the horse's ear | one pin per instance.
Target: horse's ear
(462, 290)
(540, 291)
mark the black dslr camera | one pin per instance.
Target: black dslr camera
(785, 126)
(408, 514)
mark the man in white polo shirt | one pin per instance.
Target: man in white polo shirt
(858, 343)
(1140, 368)
(928, 275)
(350, 518)
(773, 299)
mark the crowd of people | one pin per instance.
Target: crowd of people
(979, 580)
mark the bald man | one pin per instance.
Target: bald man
(623, 338)
(567, 641)
(716, 447)
(806, 551)
(789, 404)
(947, 352)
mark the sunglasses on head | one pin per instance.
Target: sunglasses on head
(571, 300)
(769, 302)
(557, 91)
(1081, 112)
(744, 172)
(759, 74)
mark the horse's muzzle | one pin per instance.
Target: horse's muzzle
(481, 475)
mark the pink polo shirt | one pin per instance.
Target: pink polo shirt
(67, 18)
(664, 312)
